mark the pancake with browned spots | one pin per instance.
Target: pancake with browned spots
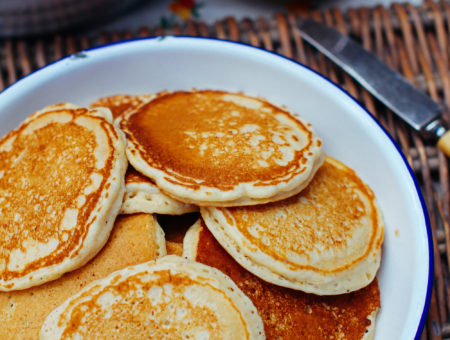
(170, 298)
(214, 148)
(142, 195)
(325, 240)
(61, 186)
(23, 312)
(287, 313)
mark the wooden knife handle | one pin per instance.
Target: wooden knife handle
(444, 143)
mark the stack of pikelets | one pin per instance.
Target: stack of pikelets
(286, 246)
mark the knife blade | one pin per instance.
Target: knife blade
(388, 86)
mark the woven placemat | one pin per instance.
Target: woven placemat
(412, 40)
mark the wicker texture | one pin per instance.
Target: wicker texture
(412, 40)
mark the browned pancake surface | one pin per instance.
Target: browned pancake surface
(170, 298)
(330, 199)
(291, 314)
(101, 320)
(22, 313)
(37, 186)
(120, 103)
(171, 130)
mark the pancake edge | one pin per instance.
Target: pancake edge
(238, 197)
(253, 322)
(370, 331)
(244, 193)
(191, 239)
(141, 198)
(160, 239)
(103, 112)
(100, 230)
(341, 282)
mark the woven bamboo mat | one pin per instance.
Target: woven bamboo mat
(412, 40)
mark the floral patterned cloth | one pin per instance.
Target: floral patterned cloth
(181, 10)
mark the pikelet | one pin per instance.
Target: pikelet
(61, 186)
(141, 193)
(23, 312)
(325, 240)
(287, 313)
(213, 148)
(170, 298)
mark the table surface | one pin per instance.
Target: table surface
(150, 12)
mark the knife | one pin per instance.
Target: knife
(388, 86)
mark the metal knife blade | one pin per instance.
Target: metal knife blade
(385, 84)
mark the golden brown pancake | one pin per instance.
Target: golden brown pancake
(170, 298)
(291, 314)
(142, 195)
(61, 186)
(121, 103)
(133, 240)
(325, 240)
(214, 148)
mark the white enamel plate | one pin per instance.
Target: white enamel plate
(348, 131)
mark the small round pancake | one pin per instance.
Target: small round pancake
(170, 298)
(213, 148)
(143, 196)
(288, 313)
(326, 240)
(61, 186)
(24, 311)
(121, 103)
